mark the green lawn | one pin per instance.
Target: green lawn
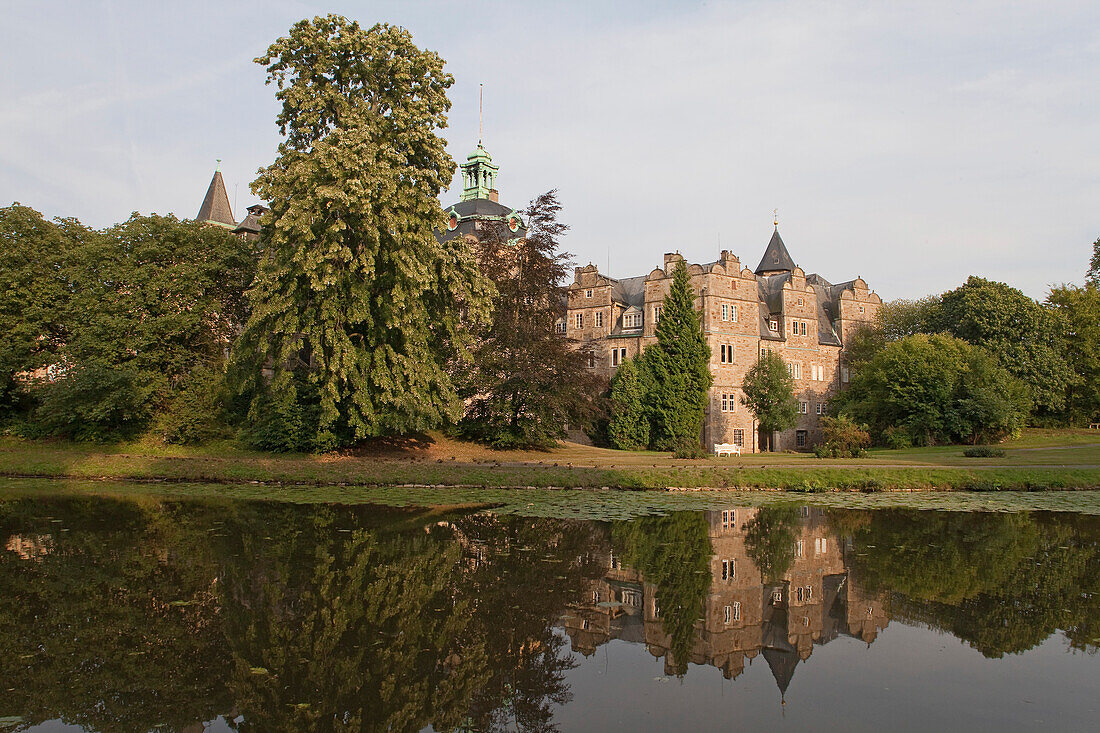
(1038, 460)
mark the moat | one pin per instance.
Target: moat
(146, 613)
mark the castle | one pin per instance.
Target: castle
(777, 307)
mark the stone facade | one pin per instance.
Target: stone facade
(804, 318)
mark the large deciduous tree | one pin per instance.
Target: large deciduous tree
(679, 368)
(937, 389)
(358, 307)
(1025, 337)
(1093, 275)
(769, 394)
(1080, 310)
(527, 380)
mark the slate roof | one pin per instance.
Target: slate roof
(629, 290)
(776, 257)
(469, 212)
(251, 223)
(215, 207)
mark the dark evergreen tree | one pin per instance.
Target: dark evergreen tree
(527, 380)
(679, 369)
(769, 393)
(628, 428)
(356, 297)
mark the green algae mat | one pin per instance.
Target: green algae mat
(588, 504)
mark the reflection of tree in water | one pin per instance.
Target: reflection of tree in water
(336, 627)
(108, 615)
(1002, 582)
(770, 540)
(673, 553)
(527, 572)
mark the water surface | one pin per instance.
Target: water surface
(148, 613)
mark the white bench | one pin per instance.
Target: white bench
(730, 449)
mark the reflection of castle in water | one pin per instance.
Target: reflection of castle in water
(817, 600)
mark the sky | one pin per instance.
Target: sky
(911, 144)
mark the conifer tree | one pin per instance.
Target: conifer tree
(679, 365)
(528, 381)
(357, 304)
(628, 428)
(769, 394)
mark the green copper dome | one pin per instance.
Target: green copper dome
(479, 175)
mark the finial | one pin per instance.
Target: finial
(775, 218)
(480, 111)
(218, 167)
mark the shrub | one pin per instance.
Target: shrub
(983, 451)
(196, 413)
(897, 438)
(842, 438)
(98, 403)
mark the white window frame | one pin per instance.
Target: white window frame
(803, 407)
(599, 319)
(578, 320)
(588, 293)
(657, 314)
(725, 311)
(738, 437)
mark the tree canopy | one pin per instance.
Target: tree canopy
(768, 391)
(358, 307)
(1080, 311)
(527, 381)
(937, 389)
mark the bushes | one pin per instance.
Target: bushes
(842, 438)
(983, 451)
(197, 413)
(98, 403)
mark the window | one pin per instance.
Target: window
(725, 311)
(727, 402)
(818, 372)
(803, 407)
(595, 596)
(657, 313)
(861, 309)
(818, 407)
(800, 438)
(844, 374)
(728, 570)
(725, 405)
(584, 624)
(656, 608)
(729, 518)
(588, 293)
(618, 356)
(739, 437)
(578, 320)
(801, 301)
(736, 610)
(804, 512)
(773, 325)
(591, 361)
(802, 328)
(809, 596)
(821, 545)
(729, 615)
(726, 351)
(777, 597)
(795, 369)
(632, 320)
(800, 594)
(560, 325)
(798, 548)
(599, 319)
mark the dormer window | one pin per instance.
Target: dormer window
(773, 325)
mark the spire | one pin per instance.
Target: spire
(776, 257)
(215, 207)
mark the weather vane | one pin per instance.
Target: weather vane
(775, 217)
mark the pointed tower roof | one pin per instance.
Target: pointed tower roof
(215, 207)
(776, 257)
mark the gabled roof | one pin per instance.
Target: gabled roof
(215, 207)
(776, 257)
(629, 291)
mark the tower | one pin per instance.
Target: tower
(479, 175)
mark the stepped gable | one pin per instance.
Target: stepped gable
(215, 207)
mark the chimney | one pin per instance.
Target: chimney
(494, 195)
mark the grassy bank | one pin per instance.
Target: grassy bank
(1040, 460)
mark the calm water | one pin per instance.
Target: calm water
(146, 614)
